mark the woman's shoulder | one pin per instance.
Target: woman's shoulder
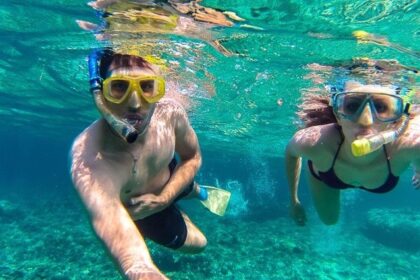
(318, 134)
(410, 139)
(315, 139)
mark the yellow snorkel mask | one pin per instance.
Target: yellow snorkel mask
(116, 89)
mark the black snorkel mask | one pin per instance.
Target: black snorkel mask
(121, 127)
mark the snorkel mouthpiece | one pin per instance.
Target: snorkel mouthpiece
(122, 128)
(365, 146)
(361, 147)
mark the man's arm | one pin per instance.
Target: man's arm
(110, 220)
(187, 147)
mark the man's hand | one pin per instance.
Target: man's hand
(145, 205)
(298, 213)
(139, 272)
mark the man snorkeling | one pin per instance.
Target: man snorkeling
(124, 166)
(363, 135)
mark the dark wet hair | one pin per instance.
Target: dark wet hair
(120, 60)
(315, 110)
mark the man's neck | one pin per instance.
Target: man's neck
(114, 141)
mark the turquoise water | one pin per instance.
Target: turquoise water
(234, 107)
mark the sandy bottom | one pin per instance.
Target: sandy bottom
(51, 239)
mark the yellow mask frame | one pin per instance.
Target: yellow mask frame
(133, 84)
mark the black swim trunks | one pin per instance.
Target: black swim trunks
(166, 227)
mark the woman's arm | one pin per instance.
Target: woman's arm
(293, 164)
(415, 130)
(293, 170)
(306, 143)
(416, 176)
(409, 145)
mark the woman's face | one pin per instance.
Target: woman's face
(364, 124)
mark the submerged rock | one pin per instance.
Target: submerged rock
(397, 228)
(9, 211)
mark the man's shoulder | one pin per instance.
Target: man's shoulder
(170, 103)
(170, 107)
(87, 140)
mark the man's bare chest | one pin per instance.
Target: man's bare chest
(147, 170)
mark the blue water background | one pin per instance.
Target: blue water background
(242, 131)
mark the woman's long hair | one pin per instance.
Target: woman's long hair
(315, 110)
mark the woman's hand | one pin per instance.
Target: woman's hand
(298, 213)
(416, 180)
(145, 205)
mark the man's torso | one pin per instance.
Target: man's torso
(140, 167)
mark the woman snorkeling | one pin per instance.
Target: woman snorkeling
(363, 134)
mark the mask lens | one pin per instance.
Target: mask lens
(118, 88)
(387, 107)
(352, 103)
(153, 88)
(148, 87)
(348, 105)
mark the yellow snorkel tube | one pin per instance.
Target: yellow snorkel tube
(361, 147)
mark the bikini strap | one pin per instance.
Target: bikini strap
(387, 159)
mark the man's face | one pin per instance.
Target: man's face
(134, 108)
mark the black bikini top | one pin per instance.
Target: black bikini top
(330, 178)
